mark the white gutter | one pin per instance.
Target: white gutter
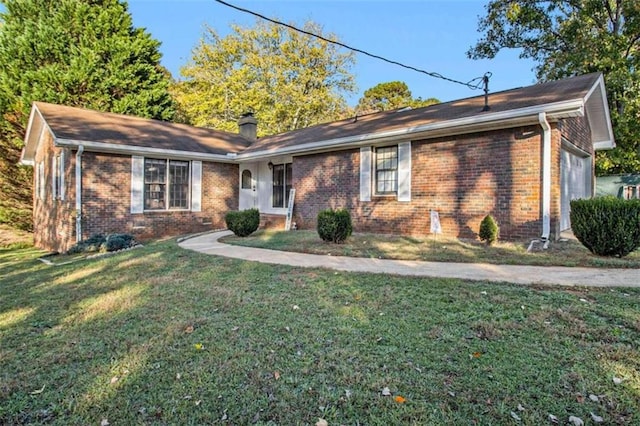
(144, 151)
(546, 178)
(79, 193)
(557, 110)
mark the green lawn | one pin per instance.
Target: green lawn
(160, 335)
(568, 252)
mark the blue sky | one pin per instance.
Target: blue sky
(428, 34)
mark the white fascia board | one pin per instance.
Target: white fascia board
(604, 145)
(27, 157)
(144, 151)
(557, 110)
(610, 143)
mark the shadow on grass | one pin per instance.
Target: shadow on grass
(163, 335)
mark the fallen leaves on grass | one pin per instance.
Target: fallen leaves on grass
(576, 421)
(596, 418)
(189, 329)
(617, 380)
(515, 416)
(322, 422)
(276, 375)
(553, 419)
(476, 354)
(38, 391)
(386, 391)
(198, 346)
(400, 399)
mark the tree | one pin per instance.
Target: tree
(288, 79)
(569, 37)
(390, 95)
(73, 52)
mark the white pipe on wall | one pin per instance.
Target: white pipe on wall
(79, 193)
(546, 177)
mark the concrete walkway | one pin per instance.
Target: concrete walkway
(550, 275)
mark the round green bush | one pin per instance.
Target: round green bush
(489, 230)
(607, 226)
(243, 223)
(334, 225)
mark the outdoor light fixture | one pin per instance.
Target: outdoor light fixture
(270, 165)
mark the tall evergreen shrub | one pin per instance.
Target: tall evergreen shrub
(607, 226)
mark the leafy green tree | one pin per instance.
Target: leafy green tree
(83, 53)
(288, 79)
(390, 95)
(569, 37)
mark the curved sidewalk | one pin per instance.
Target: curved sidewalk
(549, 275)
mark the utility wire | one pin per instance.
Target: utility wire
(473, 84)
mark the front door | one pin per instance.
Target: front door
(248, 186)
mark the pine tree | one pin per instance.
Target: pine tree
(83, 53)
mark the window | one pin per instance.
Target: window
(40, 180)
(281, 184)
(629, 192)
(166, 184)
(386, 170)
(246, 179)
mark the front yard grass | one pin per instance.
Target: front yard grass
(161, 335)
(567, 252)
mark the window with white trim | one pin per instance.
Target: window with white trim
(386, 170)
(630, 192)
(281, 184)
(57, 177)
(166, 184)
(40, 180)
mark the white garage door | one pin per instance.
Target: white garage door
(575, 181)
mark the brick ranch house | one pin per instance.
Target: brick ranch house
(522, 160)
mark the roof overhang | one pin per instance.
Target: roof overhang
(597, 110)
(108, 148)
(35, 128)
(490, 121)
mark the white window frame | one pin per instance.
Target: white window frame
(631, 192)
(377, 150)
(285, 188)
(40, 181)
(167, 185)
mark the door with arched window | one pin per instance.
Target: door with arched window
(248, 186)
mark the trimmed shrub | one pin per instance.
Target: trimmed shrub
(489, 230)
(243, 223)
(100, 243)
(334, 225)
(607, 226)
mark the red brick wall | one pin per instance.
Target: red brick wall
(106, 195)
(463, 178)
(53, 219)
(576, 131)
(106, 201)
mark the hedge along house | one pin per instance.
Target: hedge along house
(522, 160)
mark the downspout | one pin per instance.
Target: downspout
(79, 193)
(546, 178)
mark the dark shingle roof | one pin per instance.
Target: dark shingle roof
(86, 125)
(530, 96)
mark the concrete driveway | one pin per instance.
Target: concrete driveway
(547, 275)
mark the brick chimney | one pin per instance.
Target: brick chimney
(248, 126)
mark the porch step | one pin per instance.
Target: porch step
(272, 221)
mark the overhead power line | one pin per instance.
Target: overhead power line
(473, 84)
